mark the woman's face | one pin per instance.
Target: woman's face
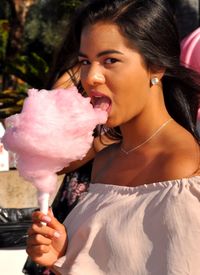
(113, 74)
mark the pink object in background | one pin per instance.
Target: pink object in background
(198, 115)
(54, 128)
(190, 55)
(190, 50)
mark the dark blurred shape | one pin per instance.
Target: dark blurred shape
(14, 223)
(187, 13)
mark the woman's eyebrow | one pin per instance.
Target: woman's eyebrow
(81, 54)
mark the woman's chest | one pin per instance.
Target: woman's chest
(126, 171)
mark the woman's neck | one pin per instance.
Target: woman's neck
(143, 127)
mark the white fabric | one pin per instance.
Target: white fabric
(151, 229)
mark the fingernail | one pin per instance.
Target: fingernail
(46, 218)
(56, 234)
(51, 211)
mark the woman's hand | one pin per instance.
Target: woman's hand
(46, 243)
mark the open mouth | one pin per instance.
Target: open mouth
(102, 102)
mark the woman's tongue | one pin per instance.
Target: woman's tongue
(101, 102)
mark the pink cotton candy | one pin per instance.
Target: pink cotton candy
(54, 128)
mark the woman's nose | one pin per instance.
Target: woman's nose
(95, 75)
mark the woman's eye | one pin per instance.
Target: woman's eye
(84, 62)
(111, 60)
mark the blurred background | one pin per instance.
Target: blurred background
(30, 33)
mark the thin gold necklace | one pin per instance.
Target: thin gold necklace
(147, 140)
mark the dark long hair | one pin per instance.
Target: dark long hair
(149, 26)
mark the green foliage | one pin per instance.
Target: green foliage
(30, 68)
(43, 31)
(11, 99)
(4, 33)
(46, 24)
(4, 9)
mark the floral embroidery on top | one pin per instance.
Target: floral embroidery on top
(75, 190)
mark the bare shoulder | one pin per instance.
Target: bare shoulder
(182, 159)
(66, 80)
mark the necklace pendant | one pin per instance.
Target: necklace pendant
(124, 151)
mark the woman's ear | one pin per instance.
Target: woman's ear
(156, 76)
(158, 72)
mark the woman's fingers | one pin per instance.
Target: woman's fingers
(53, 227)
(37, 250)
(37, 244)
(38, 239)
(39, 217)
(44, 230)
(45, 243)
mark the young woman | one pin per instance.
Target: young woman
(141, 214)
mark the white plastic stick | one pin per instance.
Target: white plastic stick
(43, 201)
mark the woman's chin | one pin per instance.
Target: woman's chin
(111, 123)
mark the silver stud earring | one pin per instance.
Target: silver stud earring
(154, 81)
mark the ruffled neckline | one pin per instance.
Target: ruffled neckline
(149, 186)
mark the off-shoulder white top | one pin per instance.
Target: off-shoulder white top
(151, 229)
